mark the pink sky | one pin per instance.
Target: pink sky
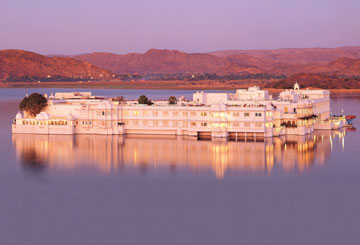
(122, 26)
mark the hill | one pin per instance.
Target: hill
(156, 61)
(296, 55)
(318, 80)
(281, 61)
(18, 65)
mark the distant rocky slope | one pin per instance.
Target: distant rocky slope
(341, 61)
(317, 80)
(332, 67)
(18, 65)
(156, 61)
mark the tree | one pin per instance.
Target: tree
(33, 104)
(143, 100)
(172, 100)
(119, 99)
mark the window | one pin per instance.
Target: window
(235, 114)
(203, 114)
(236, 125)
(204, 124)
(193, 124)
(103, 113)
(246, 114)
(165, 123)
(175, 113)
(193, 113)
(258, 114)
(258, 125)
(145, 113)
(247, 125)
(165, 113)
(155, 113)
(155, 123)
(184, 113)
(135, 113)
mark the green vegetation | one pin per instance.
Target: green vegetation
(204, 76)
(33, 104)
(143, 100)
(172, 100)
(119, 99)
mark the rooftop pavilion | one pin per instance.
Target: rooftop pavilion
(73, 95)
(250, 94)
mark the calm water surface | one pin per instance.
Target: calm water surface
(167, 190)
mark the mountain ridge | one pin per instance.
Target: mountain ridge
(280, 61)
(16, 65)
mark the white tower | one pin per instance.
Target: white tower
(296, 86)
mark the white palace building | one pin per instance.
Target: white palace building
(247, 113)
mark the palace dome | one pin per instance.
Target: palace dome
(42, 116)
(19, 115)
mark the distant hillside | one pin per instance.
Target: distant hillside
(18, 65)
(296, 55)
(173, 61)
(155, 61)
(337, 67)
(281, 61)
(317, 80)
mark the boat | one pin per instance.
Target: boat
(350, 119)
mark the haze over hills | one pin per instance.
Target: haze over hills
(18, 65)
(280, 61)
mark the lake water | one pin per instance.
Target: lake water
(167, 190)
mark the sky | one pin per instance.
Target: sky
(123, 26)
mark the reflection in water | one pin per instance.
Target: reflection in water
(31, 160)
(117, 153)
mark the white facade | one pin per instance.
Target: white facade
(246, 114)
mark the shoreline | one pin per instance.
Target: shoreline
(157, 85)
